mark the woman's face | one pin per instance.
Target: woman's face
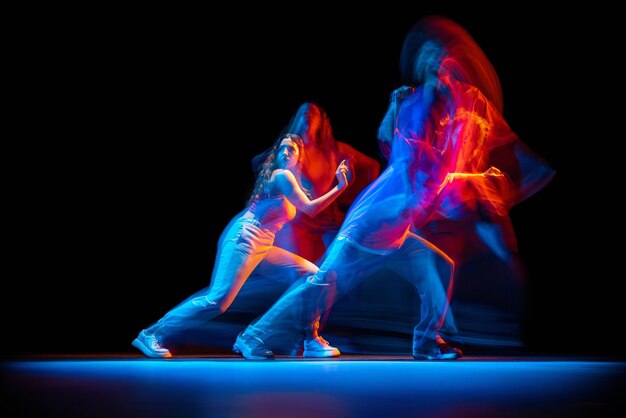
(312, 121)
(288, 155)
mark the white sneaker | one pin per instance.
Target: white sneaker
(319, 347)
(149, 345)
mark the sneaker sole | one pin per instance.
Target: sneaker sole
(321, 354)
(149, 353)
(451, 356)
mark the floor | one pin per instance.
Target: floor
(227, 386)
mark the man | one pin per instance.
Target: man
(438, 137)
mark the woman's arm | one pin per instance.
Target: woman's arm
(288, 186)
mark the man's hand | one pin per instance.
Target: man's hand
(402, 93)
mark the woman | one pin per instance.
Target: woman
(249, 242)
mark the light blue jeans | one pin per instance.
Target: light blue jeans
(345, 267)
(245, 248)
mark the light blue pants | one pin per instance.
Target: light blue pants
(245, 248)
(345, 267)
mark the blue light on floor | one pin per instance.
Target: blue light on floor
(387, 388)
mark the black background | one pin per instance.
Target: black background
(136, 131)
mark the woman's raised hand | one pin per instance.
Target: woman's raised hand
(341, 173)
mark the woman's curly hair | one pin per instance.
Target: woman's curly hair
(269, 165)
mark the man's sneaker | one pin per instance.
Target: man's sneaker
(149, 345)
(319, 347)
(252, 348)
(441, 352)
(446, 349)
